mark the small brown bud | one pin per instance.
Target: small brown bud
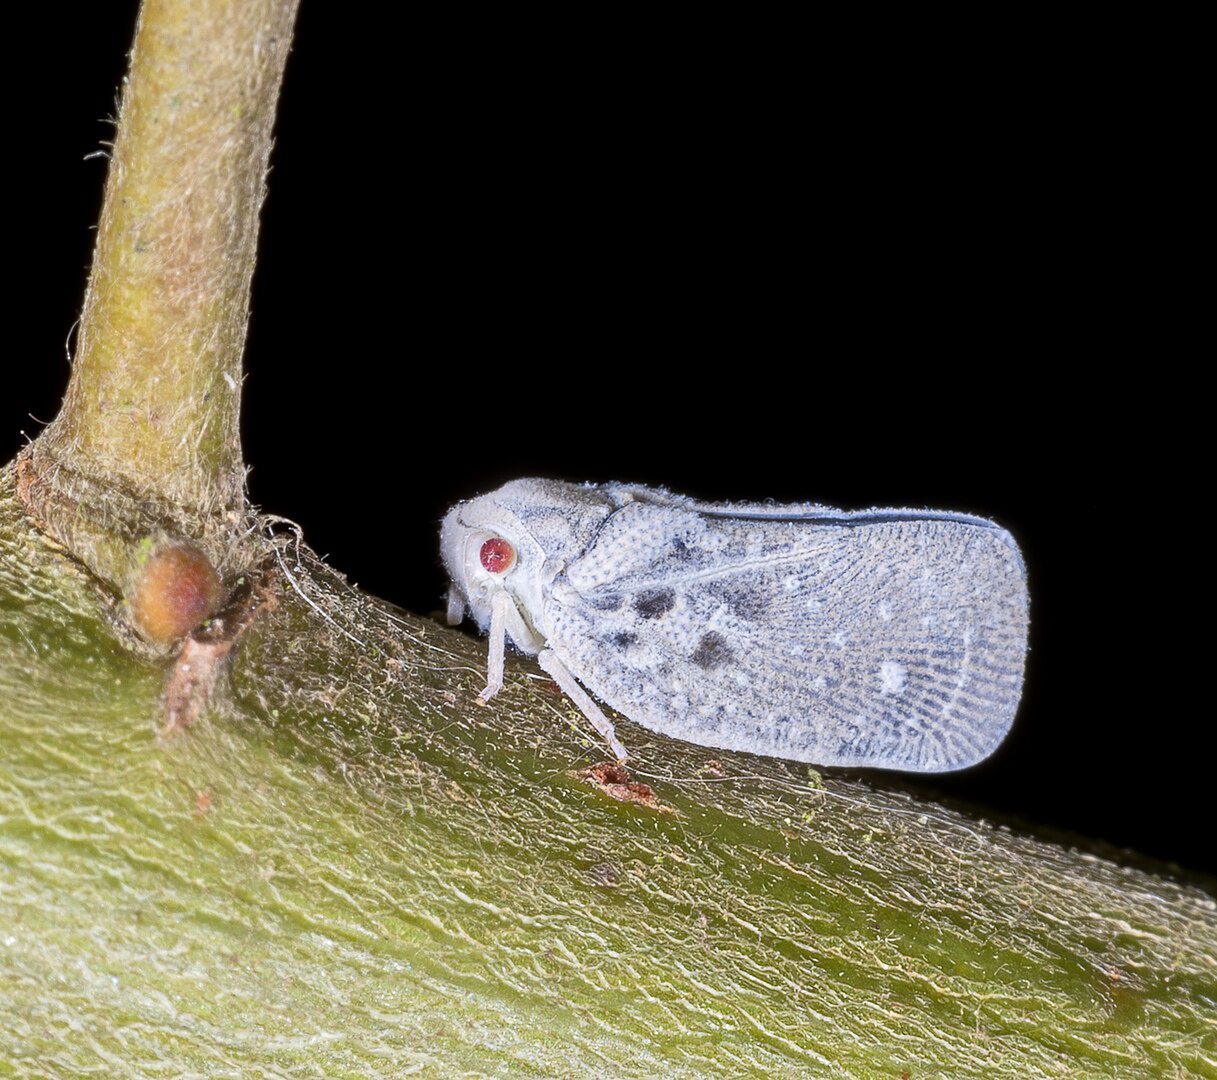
(177, 588)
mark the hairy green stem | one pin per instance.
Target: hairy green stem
(151, 414)
(347, 868)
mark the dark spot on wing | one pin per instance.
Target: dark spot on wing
(681, 549)
(743, 602)
(654, 602)
(712, 651)
(609, 602)
(623, 639)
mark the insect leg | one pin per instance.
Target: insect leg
(558, 672)
(498, 646)
(456, 607)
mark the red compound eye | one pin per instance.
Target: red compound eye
(497, 555)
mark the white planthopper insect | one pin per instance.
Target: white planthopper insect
(891, 639)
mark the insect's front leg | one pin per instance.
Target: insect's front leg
(504, 620)
(499, 607)
(559, 672)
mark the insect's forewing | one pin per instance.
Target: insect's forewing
(887, 639)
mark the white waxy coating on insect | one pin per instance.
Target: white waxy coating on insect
(885, 638)
(893, 677)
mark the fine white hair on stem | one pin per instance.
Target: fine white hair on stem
(296, 586)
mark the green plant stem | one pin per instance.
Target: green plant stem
(151, 412)
(348, 868)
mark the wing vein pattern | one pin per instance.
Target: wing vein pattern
(889, 639)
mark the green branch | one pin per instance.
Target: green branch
(350, 868)
(147, 439)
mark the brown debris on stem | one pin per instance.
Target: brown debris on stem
(196, 669)
(613, 779)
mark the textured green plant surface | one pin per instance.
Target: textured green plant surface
(347, 868)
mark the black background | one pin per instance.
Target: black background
(740, 277)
